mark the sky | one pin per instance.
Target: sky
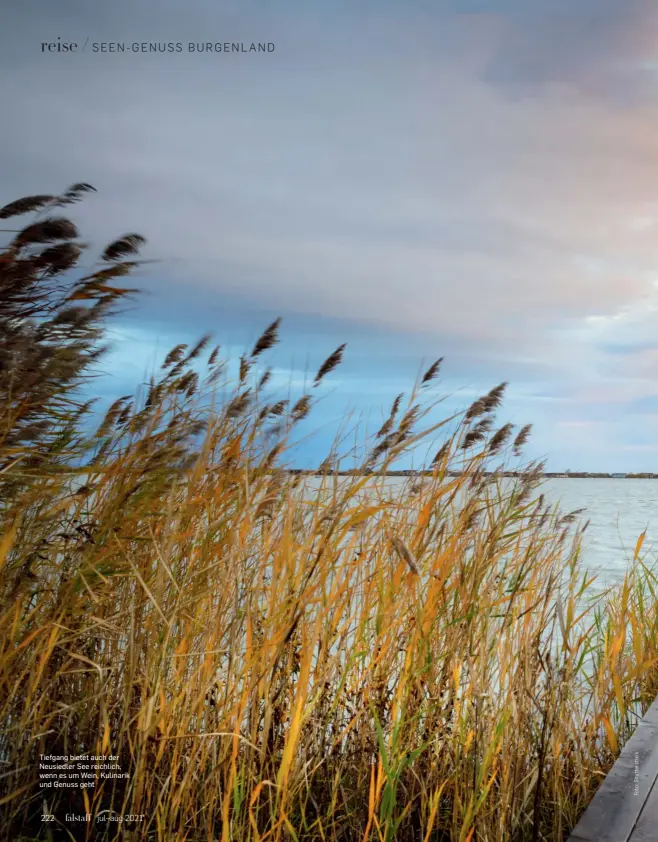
(417, 178)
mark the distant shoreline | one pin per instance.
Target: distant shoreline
(418, 474)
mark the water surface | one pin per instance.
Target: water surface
(619, 510)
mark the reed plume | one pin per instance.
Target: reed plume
(268, 338)
(522, 438)
(332, 361)
(432, 372)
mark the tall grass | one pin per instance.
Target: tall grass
(278, 659)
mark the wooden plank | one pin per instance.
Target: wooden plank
(646, 829)
(616, 807)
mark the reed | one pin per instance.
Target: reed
(275, 658)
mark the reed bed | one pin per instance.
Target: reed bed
(270, 658)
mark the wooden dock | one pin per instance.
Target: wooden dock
(625, 807)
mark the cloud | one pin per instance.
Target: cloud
(596, 45)
(473, 179)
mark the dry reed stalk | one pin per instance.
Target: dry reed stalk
(259, 660)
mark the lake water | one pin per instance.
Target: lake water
(619, 510)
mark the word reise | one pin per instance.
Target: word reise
(59, 46)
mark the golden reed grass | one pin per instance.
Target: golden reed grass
(276, 658)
